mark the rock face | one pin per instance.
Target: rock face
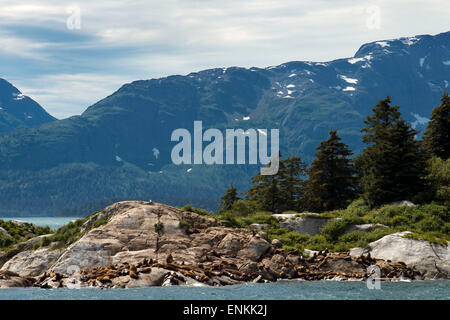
(4, 233)
(301, 224)
(364, 227)
(431, 259)
(147, 244)
(32, 262)
(9, 279)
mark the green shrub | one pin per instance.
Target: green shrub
(183, 224)
(159, 228)
(333, 229)
(20, 232)
(66, 234)
(429, 236)
(202, 212)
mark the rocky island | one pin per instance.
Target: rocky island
(136, 244)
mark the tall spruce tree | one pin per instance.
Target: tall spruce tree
(265, 193)
(331, 182)
(279, 192)
(291, 182)
(393, 162)
(229, 198)
(437, 136)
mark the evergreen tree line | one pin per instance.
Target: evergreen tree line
(393, 166)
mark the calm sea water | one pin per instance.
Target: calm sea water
(52, 222)
(282, 290)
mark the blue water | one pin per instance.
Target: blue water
(52, 222)
(282, 290)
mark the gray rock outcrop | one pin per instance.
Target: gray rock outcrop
(433, 260)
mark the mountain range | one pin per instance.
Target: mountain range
(19, 111)
(120, 147)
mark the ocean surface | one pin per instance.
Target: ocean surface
(282, 290)
(52, 222)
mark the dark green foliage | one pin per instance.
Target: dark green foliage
(71, 232)
(265, 192)
(437, 136)
(66, 234)
(183, 224)
(437, 181)
(279, 192)
(291, 174)
(202, 212)
(159, 228)
(333, 229)
(392, 164)
(331, 182)
(20, 232)
(229, 198)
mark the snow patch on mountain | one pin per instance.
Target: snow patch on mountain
(348, 80)
(355, 60)
(18, 96)
(409, 41)
(421, 61)
(383, 44)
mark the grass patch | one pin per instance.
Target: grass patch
(199, 211)
(19, 233)
(71, 232)
(430, 237)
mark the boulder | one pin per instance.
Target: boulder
(310, 253)
(302, 223)
(19, 247)
(358, 251)
(4, 233)
(32, 262)
(276, 243)
(9, 279)
(364, 227)
(264, 235)
(257, 227)
(400, 203)
(433, 260)
(254, 249)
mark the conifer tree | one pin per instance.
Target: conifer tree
(265, 193)
(393, 162)
(229, 198)
(437, 136)
(291, 182)
(331, 182)
(279, 192)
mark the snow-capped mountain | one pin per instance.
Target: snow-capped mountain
(120, 147)
(19, 111)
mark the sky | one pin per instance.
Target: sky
(67, 55)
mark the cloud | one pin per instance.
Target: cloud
(130, 40)
(59, 91)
